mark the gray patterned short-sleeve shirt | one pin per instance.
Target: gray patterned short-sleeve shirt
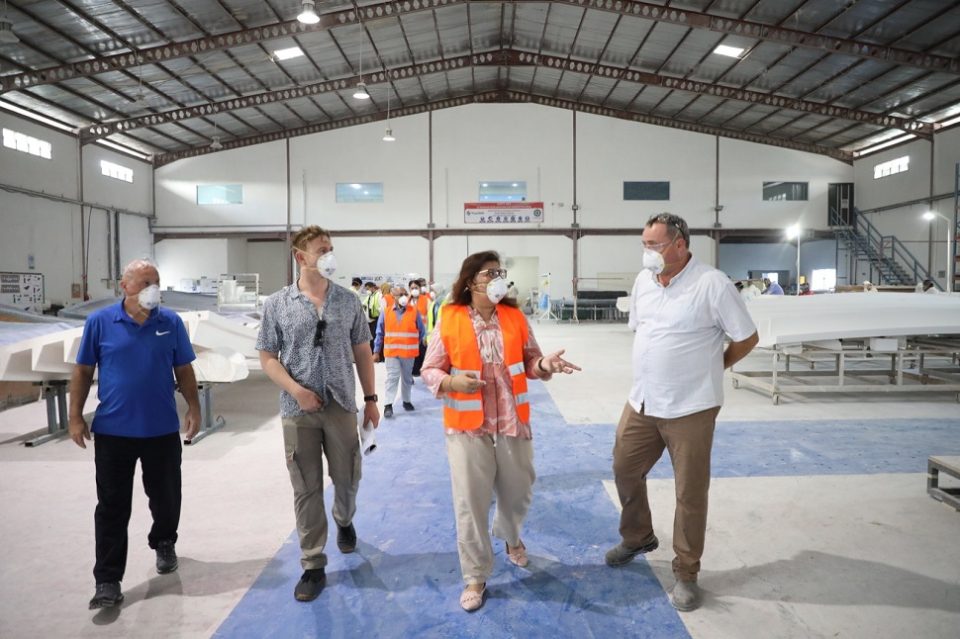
(288, 328)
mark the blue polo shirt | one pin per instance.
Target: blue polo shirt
(136, 383)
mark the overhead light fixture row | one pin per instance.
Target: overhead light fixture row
(732, 52)
(308, 12)
(289, 53)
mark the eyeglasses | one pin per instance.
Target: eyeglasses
(659, 246)
(318, 336)
(494, 273)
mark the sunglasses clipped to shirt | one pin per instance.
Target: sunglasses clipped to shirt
(318, 336)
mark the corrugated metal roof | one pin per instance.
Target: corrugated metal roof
(207, 67)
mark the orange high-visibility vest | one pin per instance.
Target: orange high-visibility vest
(423, 306)
(464, 411)
(400, 335)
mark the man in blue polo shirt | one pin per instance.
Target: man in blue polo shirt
(139, 349)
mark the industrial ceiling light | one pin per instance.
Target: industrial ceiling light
(288, 54)
(308, 12)
(7, 36)
(361, 92)
(732, 52)
(388, 136)
(216, 145)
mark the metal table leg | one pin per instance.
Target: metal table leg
(55, 395)
(208, 424)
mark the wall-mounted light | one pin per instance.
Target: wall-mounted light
(308, 12)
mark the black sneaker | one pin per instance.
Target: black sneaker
(346, 538)
(311, 584)
(167, 560)
(407, 406)
(107, 595)
(621, 555)
(388, 411)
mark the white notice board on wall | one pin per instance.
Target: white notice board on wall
(500, 213)
(22, 290)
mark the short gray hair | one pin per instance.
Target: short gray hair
(136, 265)
(675, 224)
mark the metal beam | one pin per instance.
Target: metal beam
(770, 33)
(239, 38)
(512, 58)
(503, 96)
(388, 10)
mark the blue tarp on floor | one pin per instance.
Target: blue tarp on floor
(404, 579)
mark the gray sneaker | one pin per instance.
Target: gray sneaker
(685, 596)
(621, 555)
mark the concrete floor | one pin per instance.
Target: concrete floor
(833, 555)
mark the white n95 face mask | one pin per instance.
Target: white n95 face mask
(403, 300)
(415, 292)
(653, 261)
(496, 290)
(327, 265)
(149, 298)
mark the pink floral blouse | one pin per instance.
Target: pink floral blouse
(499, 410)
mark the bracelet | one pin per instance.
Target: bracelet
(540, 366)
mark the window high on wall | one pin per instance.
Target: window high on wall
(116, 171)
(502, 191)
(894, 166)
(26, 144)
(219, 194)
(784, 191)
(646, 190)
(359, 192)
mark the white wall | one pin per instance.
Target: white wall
(926, 241)
(498, 142)
(744, 167)
(50, 231)
(611, 152)
(261, 169)
(191, 259)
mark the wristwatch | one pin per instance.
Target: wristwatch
(370, 398)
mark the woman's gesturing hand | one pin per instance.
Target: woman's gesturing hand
(554, 363)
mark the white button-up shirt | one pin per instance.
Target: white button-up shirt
(678, 346)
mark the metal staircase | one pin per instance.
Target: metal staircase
(891, 263)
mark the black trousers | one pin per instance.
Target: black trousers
(418, 362)
(116, 458)
(373, 334)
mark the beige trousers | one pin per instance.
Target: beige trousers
(639, 444)
(478, 470)
(306, 439)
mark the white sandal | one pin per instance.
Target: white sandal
(518, 556)
(471, 600)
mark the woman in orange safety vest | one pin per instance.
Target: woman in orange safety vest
(479, 366)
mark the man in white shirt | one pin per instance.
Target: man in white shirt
(681, 310)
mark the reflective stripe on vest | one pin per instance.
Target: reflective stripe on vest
(464, 411)
(400, 335)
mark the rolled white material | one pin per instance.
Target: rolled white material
(368, 435)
